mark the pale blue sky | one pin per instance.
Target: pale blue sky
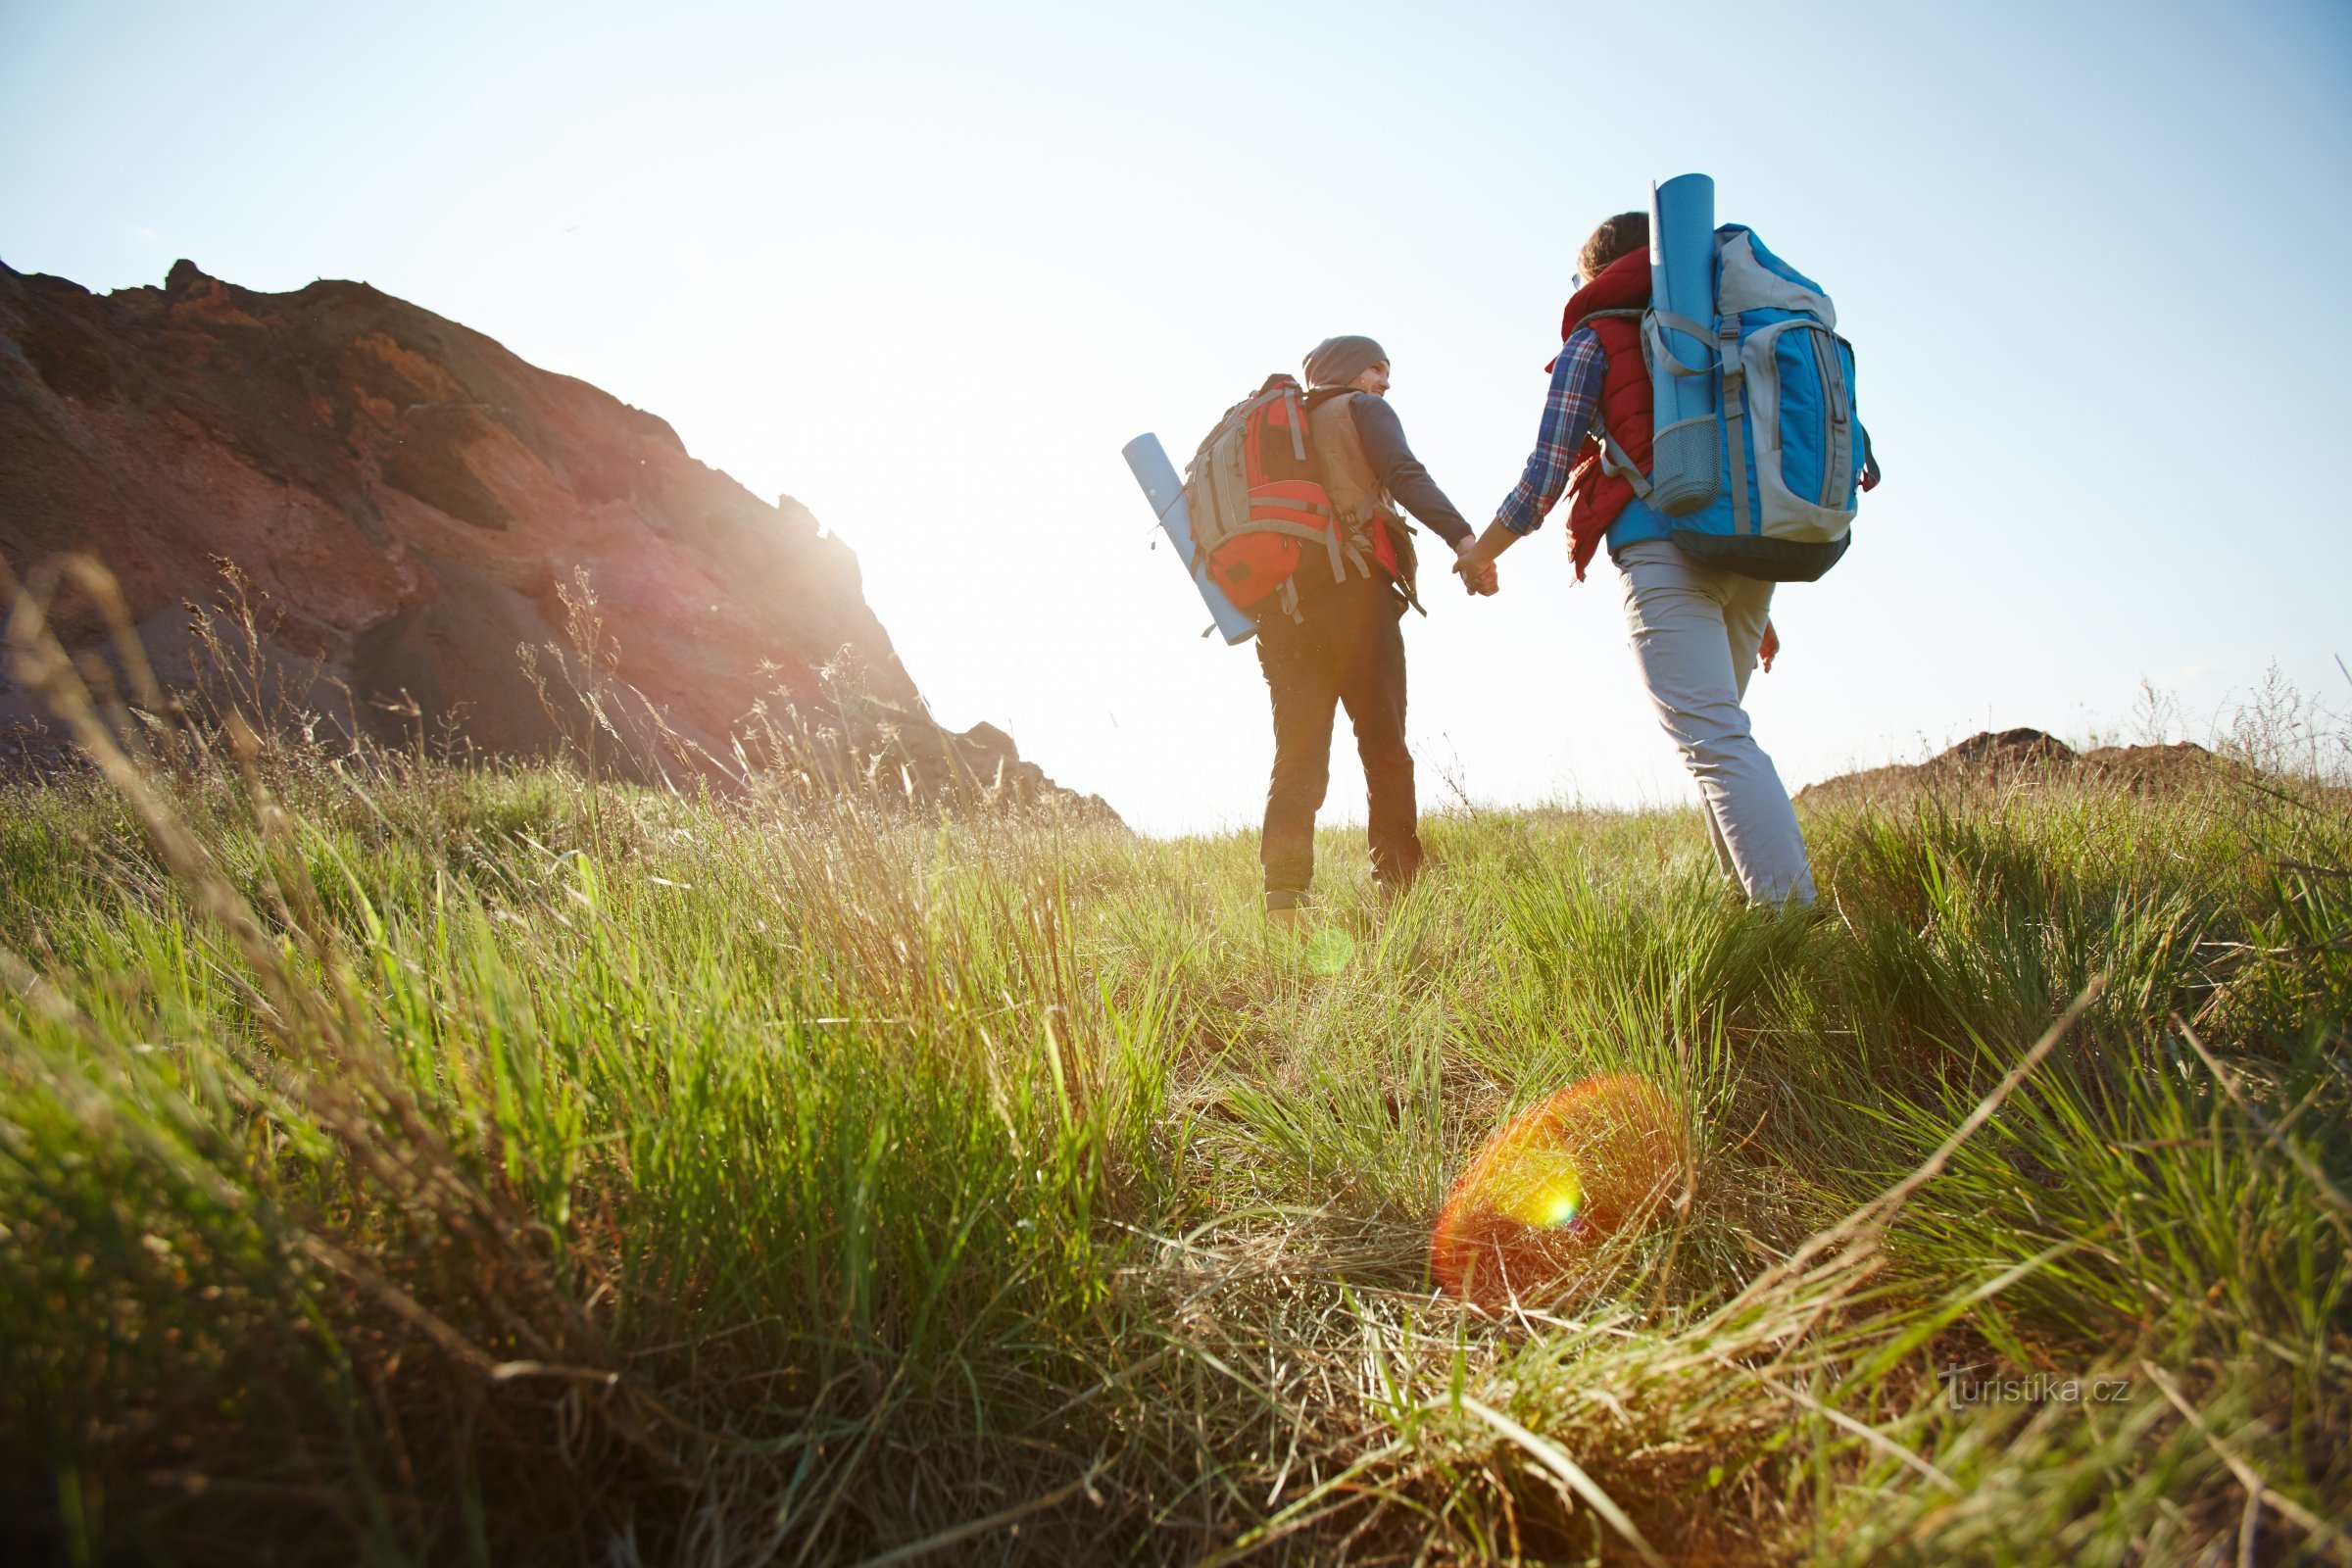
(927, 267)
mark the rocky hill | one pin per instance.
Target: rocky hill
(2015, 759)
(410, 505)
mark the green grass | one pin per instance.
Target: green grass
(403, 1164)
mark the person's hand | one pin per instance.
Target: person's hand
(1476, 568)
(1769, 648)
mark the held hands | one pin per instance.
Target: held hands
(1476, 568)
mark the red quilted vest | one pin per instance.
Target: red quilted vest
(1595, 498)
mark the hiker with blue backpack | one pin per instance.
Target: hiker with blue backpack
(1748, 479)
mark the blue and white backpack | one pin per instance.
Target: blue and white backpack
(1763, 483)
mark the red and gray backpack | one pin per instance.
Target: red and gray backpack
(1257, 501)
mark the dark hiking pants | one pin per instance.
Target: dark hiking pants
(1349, 652)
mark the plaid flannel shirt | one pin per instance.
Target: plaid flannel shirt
(1567, 420)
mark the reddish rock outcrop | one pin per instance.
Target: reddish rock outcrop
(410, 500)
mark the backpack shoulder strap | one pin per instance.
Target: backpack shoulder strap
(1590, 317)
(1614, 459)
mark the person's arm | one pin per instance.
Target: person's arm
(1400, 472)
(1567, 420)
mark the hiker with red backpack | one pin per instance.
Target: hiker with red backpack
(1699, 550)
(1294, 505)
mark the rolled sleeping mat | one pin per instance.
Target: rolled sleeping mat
(1685, 448)
(1150, 464)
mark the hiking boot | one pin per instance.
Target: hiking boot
(1285, 909)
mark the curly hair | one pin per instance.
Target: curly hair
(1616, 237)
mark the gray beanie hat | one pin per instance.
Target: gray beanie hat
(1337, 360)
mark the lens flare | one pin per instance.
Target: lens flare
(1329, 951)
(1530, 1208)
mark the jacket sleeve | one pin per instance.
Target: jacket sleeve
(1576, 378)
(1400, 472)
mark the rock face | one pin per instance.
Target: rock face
(411, 503)
(2014, 758)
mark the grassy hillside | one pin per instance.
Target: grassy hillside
(402, 1164)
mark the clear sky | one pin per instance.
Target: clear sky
(927, 267)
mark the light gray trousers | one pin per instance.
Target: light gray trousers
(1696, 630)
